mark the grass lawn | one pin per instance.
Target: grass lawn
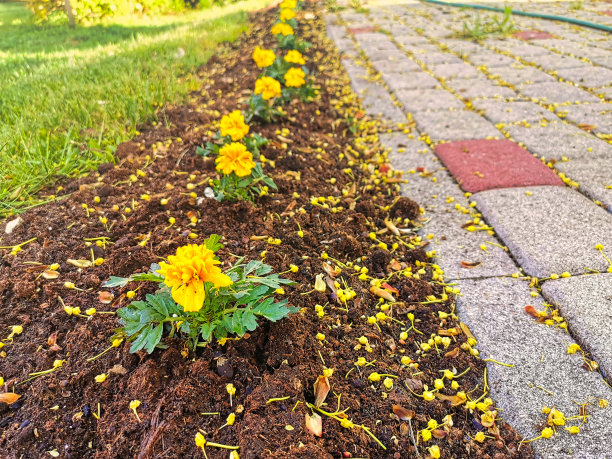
(67, 97)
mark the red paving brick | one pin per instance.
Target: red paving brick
(532, 35)
(480, 165)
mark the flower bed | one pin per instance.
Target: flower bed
(367, 359)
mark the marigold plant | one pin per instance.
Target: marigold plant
(235, 158)
(267, 87)
(295, 57)
(233, 125)
(263, 57)
(197, 300)
(294, 78)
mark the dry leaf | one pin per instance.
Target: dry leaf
(389, 288)
(452, 354)
(415, 385)
(382, 293)
(80, 263)
(50, 274)
(314, 424)
(321, 389)
(587, 127)
(403, 413)
(470, 264)
(9, 397)
(467, 331)
(392, 227)
(438, 433)
(52, 340)
(532, 311)
(450, 332)
(106, 297)
(453, 399)
(258, 238)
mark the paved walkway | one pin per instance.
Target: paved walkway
(506, 144)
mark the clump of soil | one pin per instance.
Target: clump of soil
(312, 153)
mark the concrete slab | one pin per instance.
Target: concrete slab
(475, 88)
(454, 125)
(491, 59)
(418, 79)
(556, 140)
(557, 93)
(544, 374)
(500, 111)
(520, 75)
(587, 76)
(586, 304)
(450, 71)
(597, 115)
(480, 165)
(550, 231)
(594, 178)
(417, 100)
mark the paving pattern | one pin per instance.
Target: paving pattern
(507, 144)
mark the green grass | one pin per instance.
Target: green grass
(68, 96)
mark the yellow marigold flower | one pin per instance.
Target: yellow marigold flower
(291, 4)
(267, 87)
(263, 57)
(235, 158)
(286, 14)
(234, 126)
(426, 434)
(188, 270)
(282, 29)
(434, 451)
(295, 77)
(295, 57)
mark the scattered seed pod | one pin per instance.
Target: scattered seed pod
(9, 397)
(314, 424)
(50, 274)
(382, 293)
(321, 389)
(80, 263)
(106, 297)
(403, 413)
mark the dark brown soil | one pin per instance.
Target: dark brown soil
(56, 411)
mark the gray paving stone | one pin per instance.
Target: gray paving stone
(452, 243)
(429, 59)
(598, 115)
(524, 50)
(554, 61)
(557, 93)
(450, 71)
(491, 59)
(463, 47)
(605, 92)
(560, 139)
(494, 311)
(553, 230)
(403, 65)
(416, 100)
(587, 76)
(419, 79)
(499, 111)
(474, 88)
(593, 177)
(410, 41)
(521, 74)
(377, 102)
(604, 61)
(455, 125)
(586, 304)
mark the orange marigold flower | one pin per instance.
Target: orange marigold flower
(295, 77)
(234, 126)
(234, 157)
(188, 270)
(286, 14)
(267, 87)
(282, 29)
(295, 57)
(263, 57)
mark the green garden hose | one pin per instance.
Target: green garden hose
(579, 22)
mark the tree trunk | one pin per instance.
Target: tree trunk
(69, 13)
